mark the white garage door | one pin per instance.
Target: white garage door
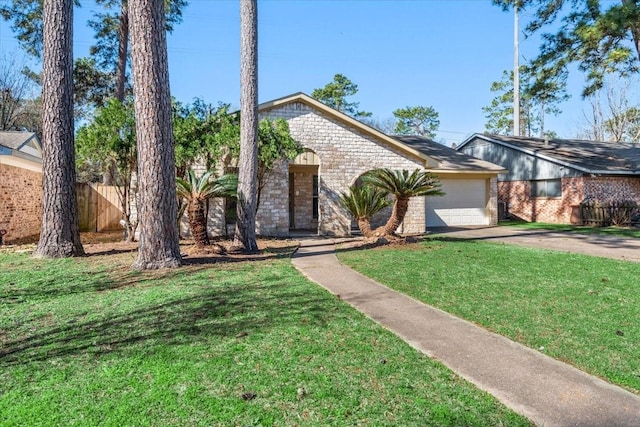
(465, 203)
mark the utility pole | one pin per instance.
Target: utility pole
(516, 73)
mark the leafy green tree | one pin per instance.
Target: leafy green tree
(211, 136)
(600, 37)
(92, 87)
(499, 113)
(363, 202)
(111, 26)
(196, 191)
(626, 126)
(403, 185)
(274, 144)
(203, 133)
(335, 95)
(537, 99)
(417, 120)
(109, 144)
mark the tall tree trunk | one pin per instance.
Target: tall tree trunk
(121, 80)
(635, 29)
(59, 234)
(157, 207)
(123, 44)
(110, 177)
(245, 233)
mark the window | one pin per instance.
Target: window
(546, 188)
(315, 197)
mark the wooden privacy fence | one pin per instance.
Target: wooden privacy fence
(98, 207)
(598, 214)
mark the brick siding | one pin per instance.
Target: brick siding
(20, 202)
(345, 153)
(612, 189)
(519, 203)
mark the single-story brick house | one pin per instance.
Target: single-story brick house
(303, 194)
(547, 179)
(20, 185)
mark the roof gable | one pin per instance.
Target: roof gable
(429, 161)
(21, 144)
(436, 157)
(594, 157)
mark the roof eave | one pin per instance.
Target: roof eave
(608, 172)
(25, 156)
(467, 171)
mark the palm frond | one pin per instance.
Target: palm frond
(405, 184)
(203, 187)
(364, 201)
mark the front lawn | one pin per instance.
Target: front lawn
(89, 342)
(579, 309)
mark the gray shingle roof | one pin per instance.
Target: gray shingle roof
(14, 140)
(588, 156)
(448, 158)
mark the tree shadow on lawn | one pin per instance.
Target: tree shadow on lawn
(100, 277)
(110, 270)
(224, 311)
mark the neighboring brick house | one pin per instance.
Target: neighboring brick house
(548, 179)
(303, 194)
(20, 185)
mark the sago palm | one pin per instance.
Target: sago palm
(196, 190)
(403, 185)
(363, 202)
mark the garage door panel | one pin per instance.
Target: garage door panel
(463, 204)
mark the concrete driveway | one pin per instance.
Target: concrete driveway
(621, 248)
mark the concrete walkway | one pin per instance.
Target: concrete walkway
(548, 392)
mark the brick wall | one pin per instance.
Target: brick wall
(519, 203)
(610, 189)
(20, 202)
(345, 153)
(493, 201)
(517, 196)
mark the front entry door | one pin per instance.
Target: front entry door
(292, 202)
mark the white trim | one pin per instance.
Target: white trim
(20, 163)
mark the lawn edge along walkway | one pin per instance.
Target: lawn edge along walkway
(547, 391)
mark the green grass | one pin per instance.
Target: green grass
(579, 309)
(631, 232)
(89, 342)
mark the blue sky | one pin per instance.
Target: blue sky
(440, 53)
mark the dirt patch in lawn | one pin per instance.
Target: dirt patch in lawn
(110, 243)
